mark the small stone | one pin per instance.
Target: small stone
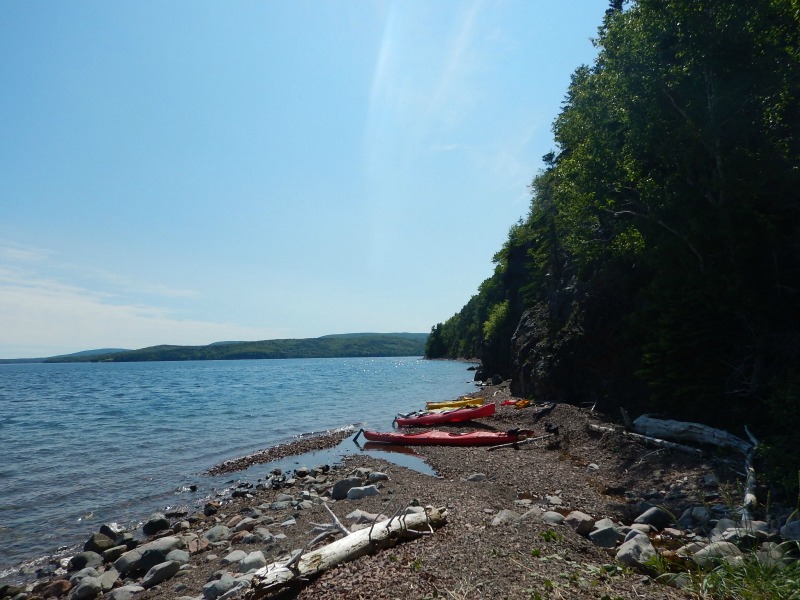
(504, 517)
(477, 477)
(234, 557)
(252, 562)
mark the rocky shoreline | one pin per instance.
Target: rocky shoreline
(577, 515)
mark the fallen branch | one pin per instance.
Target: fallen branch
(750, 501)
(276, 577)
(652, 441)
(521, 442)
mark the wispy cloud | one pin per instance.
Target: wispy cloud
(44, 311)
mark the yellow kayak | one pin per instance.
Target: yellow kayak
(455, 403)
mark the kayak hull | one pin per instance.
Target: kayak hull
(456, 415)
(454, 403)
(446, 438)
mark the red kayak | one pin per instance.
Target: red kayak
(457, 415)
(445, 438)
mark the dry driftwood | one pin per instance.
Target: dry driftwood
(521, 442)
(647, 439)
(688, 432)
(276, 577)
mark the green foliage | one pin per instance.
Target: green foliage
(658, 265)
(356, 345)
(752, 579)
(498, 316)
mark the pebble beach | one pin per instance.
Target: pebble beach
(577, 513)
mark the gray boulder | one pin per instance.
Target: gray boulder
(83, 560)
(341, 487)
(217, 533)
(160, 573)
(605, 537)
(253, 561)
(214, 589)
(636, 551)
(234, 557)
(552, 517)
(580, 522)
(109, 579)
(791, 531)
(99, 543)
(357, 492)
(76, 578)
(717, 552)
(179, 556)
(89, 587)
(126, 592)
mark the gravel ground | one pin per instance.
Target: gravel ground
(602, 475)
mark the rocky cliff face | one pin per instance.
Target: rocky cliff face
(569, 349)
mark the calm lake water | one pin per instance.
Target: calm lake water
(85, 444)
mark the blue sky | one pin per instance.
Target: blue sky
(190, 172)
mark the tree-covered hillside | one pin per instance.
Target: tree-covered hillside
(659, 265)
(333, 346)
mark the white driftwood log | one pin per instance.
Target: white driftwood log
(275, 577)
(688, 432)
(647, 439)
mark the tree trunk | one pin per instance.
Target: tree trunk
(689, 432)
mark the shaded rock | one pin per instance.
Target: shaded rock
(114, 553)
(605, 537)
(655, 516)
(341, 487)
(83, 560)
(376, 476)
(477, 477)
(99, 543)
(157, 522)
(791, 531)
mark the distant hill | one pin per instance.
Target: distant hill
(329, 346)
(85, 354)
